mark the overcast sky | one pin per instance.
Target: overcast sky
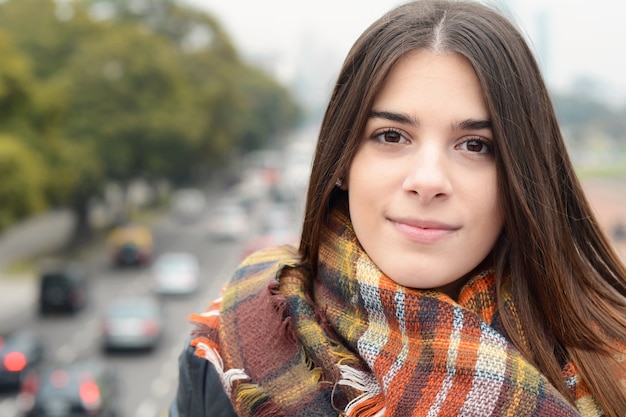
(584, 38)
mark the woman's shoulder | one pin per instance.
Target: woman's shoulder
(200, 392)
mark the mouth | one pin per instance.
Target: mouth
(424, 231)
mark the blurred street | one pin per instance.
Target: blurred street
(148, 379)
(48, 232)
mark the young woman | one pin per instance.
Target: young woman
(449, 262)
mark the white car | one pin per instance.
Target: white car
(175, 273)
(132, 323)
(188, 205)
(228, 221)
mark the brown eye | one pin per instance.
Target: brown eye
(477, 145)
(390, 136)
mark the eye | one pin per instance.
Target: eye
(476, 145)
(390, 136)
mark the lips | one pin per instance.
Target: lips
(424, 231)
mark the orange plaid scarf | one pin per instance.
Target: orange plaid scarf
(351, 342)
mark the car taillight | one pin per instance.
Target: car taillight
(15, 361)
(28, 390)
(30, 385)
(90, 395)
(150, 327)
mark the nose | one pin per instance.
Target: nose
(428, 175)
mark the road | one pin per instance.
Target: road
(148, 380)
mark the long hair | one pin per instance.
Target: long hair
(567, 283)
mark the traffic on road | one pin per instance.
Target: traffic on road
(109, 332)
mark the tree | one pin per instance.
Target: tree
(34, 109)
(23, 181)
(47, 31)
(128, 98)
(106, 90)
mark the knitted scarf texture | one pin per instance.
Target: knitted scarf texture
(351, 342)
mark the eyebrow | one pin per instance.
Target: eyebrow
(472, 124)
(394, 117)
(468, 124)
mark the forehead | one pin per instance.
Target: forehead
(427, 78)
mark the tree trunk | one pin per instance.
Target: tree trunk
(83, 233)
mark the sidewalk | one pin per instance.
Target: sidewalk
(18, 296)
(35, 237)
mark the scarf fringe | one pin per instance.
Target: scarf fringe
(227, 378)
(367, 407)
(316, 373)
(279, 303)
(368, 404)
(257, 401)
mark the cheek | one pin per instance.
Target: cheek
(492, 216)
(363, 188)
(368, 171)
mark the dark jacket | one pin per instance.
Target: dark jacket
(200, 392)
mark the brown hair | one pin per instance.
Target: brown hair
(568, 284)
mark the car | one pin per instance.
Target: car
(21, 352)
(84, 388)
(130, 244)
(132, 323)
(188, 205)
(280, 216)
(175, 273)
(62, 288)
(228, 221)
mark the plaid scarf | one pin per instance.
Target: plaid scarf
(351, 342)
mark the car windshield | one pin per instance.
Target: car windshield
(16, 341)
(59, 384)
(176, 262)
(55, 280)
(132, 308)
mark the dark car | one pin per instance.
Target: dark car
(87, 388)
(130, 245)
(63, 288)
(21, 352)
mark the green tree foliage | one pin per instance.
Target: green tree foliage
(581, 115)
(108, 90)
(23, 181)
(577, 110)
(234, 107)
(17, 88)
(34, 109)
(269, 110)
(134, 110)
(47, 31)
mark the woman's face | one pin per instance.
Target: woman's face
(422, 186)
